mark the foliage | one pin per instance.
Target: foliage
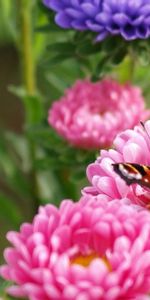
(36, 165)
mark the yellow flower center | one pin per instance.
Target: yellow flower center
(85, 260)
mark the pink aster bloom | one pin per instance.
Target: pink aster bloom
(91, 250)
(132, 146)
(90, 115)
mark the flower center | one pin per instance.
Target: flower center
(85, 260)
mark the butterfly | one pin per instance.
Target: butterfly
(132, 172)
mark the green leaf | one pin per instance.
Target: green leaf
(3, 286)
(88, 48)
(10, 170)
(19, 150)
(102, 67)
(56, 59)
(48, 27)
(119, 55)
(9, 211)
(62, 47)
(33, 104)
(8, 31)
(78, 174)
(46, 137)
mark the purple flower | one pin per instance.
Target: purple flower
(131, 18)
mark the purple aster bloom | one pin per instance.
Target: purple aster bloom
(129, 18)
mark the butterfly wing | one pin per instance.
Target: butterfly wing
(133, 173)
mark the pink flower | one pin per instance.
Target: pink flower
(92, 250)
(90, 115)
(132, 146)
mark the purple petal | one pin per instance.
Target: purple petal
(54, 4)
(137, 21)
(103, 18)
(101, 36)
(79, 24)
(145, 10)
(74, 13)
(89, 9)
(63, 20)
(142, 32)
(120, 19)
(128, 32)
(93, 26)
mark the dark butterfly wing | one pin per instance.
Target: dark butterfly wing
(133, 173)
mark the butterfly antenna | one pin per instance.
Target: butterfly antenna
(142, 124)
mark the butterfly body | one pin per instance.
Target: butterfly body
(133, 173)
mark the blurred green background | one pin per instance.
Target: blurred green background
(11, 110)
(36, 166)
(15, 176)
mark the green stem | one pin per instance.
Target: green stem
(29, 83)
(126, 69)
(131, 65)
(28, 66)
